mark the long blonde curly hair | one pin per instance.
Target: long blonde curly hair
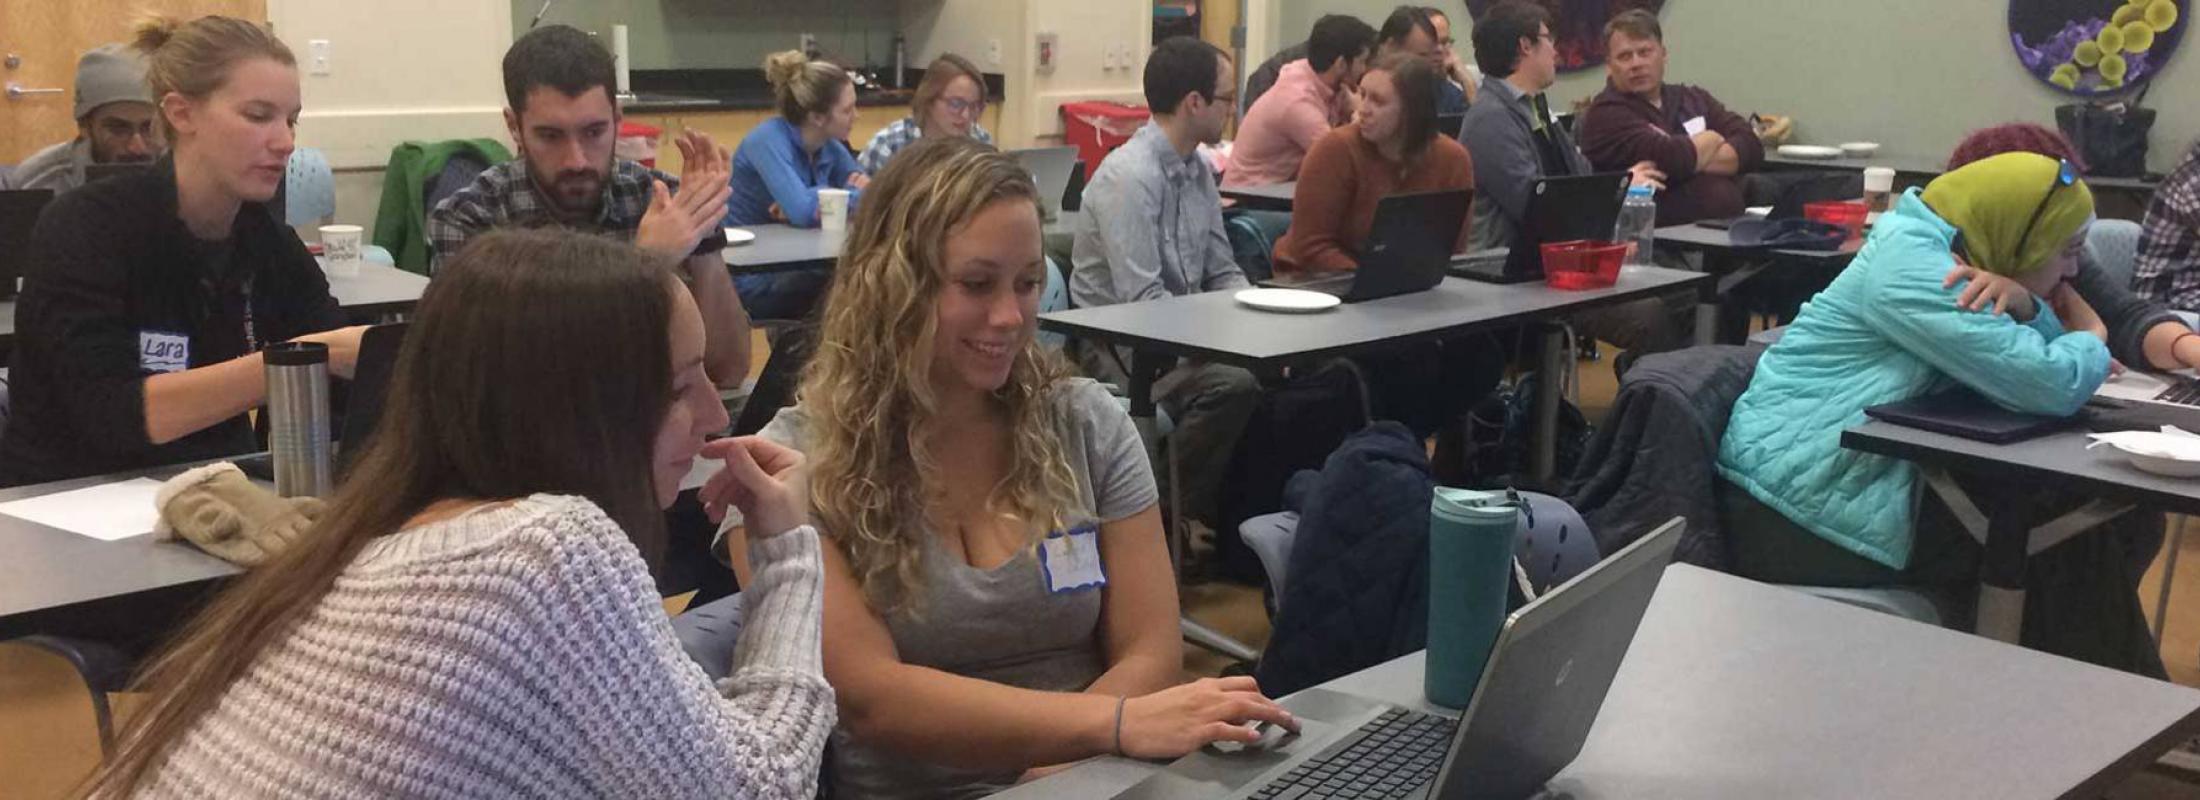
(868, 394)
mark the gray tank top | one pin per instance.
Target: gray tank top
(1003, 625)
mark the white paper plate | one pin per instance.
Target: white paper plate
(739, 236)
(1288, 301)
(1859, 149)
(1809, 151)
(2175, 455)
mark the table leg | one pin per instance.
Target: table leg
(1543, 435)
(1145, 367)
(2001, 571)
(1707, 298)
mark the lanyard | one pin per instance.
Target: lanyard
(251, 330)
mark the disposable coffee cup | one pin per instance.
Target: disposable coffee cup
(832, 209)
(340, 245)
(1879, 179)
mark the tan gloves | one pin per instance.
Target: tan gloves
(223, 512)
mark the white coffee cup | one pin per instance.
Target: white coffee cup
(832, 209)
(1879, 179)
(340, 248)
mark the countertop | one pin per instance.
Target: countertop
(676, 90)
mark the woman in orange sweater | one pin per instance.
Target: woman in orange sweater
(1391, 147)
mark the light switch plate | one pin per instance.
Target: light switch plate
(317, 57)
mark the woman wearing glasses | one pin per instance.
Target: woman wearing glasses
(1801, 509)
(949, 102)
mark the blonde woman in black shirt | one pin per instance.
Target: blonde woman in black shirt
(149, 296)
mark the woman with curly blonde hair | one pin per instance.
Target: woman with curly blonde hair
(997, 590)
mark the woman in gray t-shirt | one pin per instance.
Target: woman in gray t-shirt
(998, 595)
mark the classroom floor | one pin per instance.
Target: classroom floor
(48, 743)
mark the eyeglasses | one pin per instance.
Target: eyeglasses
(2065, 175)
(958, 105)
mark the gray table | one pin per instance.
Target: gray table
(1269, 197)
(785, 248)
(48, 571)
(1737, 689)
(1214, 327)
(2013, 529)
(1730, 265)
(379, 289)
(2126, 198)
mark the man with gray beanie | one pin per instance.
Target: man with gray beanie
(114, 123)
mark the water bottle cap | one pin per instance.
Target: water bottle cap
(1466, 505)
(1638, 190)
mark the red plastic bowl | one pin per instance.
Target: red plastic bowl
(1845, 213)
(1582, 264)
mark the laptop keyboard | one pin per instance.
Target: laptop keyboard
(2182, 391)
(1393, 755)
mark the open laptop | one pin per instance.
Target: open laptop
(2146, 400)
(19, 209)
(1540, 691)
(1452, 125)
(1050, 168)
(363, 399)
(1406, 248)
(1559, 210)
(1800, 192)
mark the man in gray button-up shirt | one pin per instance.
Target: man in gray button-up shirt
(1152, 228)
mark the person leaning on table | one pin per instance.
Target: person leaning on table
(148, 297)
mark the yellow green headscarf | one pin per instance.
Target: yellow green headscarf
(1992, 200)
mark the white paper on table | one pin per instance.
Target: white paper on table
(107, 512)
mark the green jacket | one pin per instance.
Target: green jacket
(400, 225)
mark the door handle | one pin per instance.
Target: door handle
(16, 91)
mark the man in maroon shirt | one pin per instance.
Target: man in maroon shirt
(1702, 147)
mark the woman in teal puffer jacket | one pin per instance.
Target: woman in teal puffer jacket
(1805, 510)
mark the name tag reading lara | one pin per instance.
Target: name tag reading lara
(161, 351)
(1071, 561)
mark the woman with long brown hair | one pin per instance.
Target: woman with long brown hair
(474, 615)
(150, 295)
(948, 102)
(998, 594)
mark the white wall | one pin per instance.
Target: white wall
(399, 70)
(1087, 29)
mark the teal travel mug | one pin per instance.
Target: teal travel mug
(1470, 542)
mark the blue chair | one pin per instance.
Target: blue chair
(1054, 298)
(2115, 246)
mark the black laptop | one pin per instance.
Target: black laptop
(1406, 249)
(1452, 125)
(19, 210)
(1799, 193)
(1963, 413)
(364, 395)
(1559, 210)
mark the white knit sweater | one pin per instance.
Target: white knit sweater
(519, 651)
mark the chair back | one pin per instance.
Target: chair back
(309, 189)
(2115, 247)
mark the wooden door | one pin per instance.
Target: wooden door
(39, 44)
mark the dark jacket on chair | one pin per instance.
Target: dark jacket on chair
(1656, 454)
(1358, 589)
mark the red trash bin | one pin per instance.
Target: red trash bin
(637, 142)
(1097, 127)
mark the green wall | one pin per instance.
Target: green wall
(1913, 75)
(695, 34)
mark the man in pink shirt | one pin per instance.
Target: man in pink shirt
(1311, 96)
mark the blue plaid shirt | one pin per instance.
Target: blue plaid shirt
(2169, 239)
(902, 133)
(504, 196)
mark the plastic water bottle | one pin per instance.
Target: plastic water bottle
(1638, 225)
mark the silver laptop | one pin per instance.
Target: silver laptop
(2148, 399)
(1050, 168)
(1540, 691)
